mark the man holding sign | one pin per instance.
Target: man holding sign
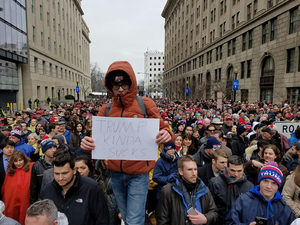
(130, 178)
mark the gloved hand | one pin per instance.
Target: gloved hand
(172, 177)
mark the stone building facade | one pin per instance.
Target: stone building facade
(58, 51)
(210, 43)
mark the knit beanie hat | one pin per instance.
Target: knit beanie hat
(271, 172)
(212, 143)
(48, 143)
(16, 132)
(240, 129)
(169, 146)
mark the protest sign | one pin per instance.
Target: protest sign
(125, 138)
(286, 128)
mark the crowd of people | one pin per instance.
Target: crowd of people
(214, 166)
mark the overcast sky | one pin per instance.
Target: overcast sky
(124, 30)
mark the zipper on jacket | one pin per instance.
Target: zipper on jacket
(119, 97)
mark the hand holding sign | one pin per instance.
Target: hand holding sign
(125, 138)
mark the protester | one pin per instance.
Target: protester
(178, 144)
(16, 187)
(293, 163)
(263, 200)
(187, 191)
(15, 136)
(77, 135)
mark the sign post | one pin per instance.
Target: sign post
(235, 87)
(219, 99)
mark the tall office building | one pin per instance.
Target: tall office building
(153, 73)
(210, 43)
(58, 50)
(13, 49)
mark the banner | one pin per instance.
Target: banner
(125, 138)
(286, 128)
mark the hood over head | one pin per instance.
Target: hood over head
(61, 141)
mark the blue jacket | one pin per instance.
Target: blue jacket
(164, 167)
(275, 210)
(67, 135)
(22, 146)
(293, 139)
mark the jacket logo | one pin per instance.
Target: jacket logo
(79, 200)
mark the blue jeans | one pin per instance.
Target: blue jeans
(131, 195)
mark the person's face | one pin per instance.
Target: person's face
(268, 188)
(188, 115)
(170, 152)
(267, 136)
(217, 126)
(178, 141)
(220, 163)
(82, 168)
(42, 133)
(294, 152)
(64, 175)
(180, 128)
(56, 142)
(298, 114)
(24, 127)
(19, 163)
(38, 116)
(279, 115)
(14, 139)
(206, 122)
(196, 134)
(199, 125)
(187, 142)
(79, 127)
(210, 130)
(233, 129)
(61, 128)
(10, 121)
(56, 129)
(276, 109)
(33, 122)
(120, 88)
(19, 118)
(38, 126)
(189, 172)
(269, 155)
(189, 130)
(236, 171)
(50, 151)
(8, 150)
(31, 141)
(39, 220)
(228, 123)
(183, 117)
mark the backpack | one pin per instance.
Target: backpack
(140, 103)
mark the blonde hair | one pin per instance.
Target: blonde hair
(33, 135)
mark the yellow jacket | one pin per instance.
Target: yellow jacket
(152, 184)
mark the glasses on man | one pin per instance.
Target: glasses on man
(117, 86)
(211, 130)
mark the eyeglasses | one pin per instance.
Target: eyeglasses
(117, 86)
(211, 130)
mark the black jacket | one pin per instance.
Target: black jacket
(218, 187)
(84, 202)
(201, 157)
(172, 206)
(206, 173)
(226, 129)
(38, 169)
(238, 145)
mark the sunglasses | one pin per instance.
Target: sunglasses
(211, 130)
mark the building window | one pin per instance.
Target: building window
(221, 46)
(237, 18)
(233, 46)
(49, 44)
(217, 53)
(222, 5)
(33, 33)
(290, 60)
(233, 22)
(242, 70)
(54, 25)
(220, 71)
(244, 95)
(233, 2)
(225, 6)
(41, 12)
(244, 42)
(35, 64)
(249, 11)
(211, 16)
(293, 20)
(254, 7)
(221, 30)
(273, 29)
(250, 39)
(264, 33)
(270, 3)
(32, 6)
(48, 19)
(249, 62)
(229, 48)
(42, 39)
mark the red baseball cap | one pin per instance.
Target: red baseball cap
(228, 118)
(54, 120)
(38, 112)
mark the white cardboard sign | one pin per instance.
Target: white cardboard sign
(125, 138)
(286, 128)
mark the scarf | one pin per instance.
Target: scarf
(233, 190)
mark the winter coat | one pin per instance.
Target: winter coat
(218, 187)
(75, 140)
(164, 167)
(292, 164)
(127, 106)
(252, 204)
(16, 194)
(238, 145)
(172, 206)
(84, 198)
(202, 158)
(67, 135)
(22, 146)
(293, 139)
(38, 169)
(250, 151)
(226, 129)
(206, 173)
(290, 194)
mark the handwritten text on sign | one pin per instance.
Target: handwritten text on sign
(125, 138)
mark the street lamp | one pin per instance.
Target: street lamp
(77, 87)
(236, 71)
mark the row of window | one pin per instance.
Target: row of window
(154, 58)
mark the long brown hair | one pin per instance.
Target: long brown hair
(276, 151)
(16, 155)
(296, 175)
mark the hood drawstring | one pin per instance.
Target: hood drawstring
(271, 207)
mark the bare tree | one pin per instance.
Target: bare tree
(97, 78)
